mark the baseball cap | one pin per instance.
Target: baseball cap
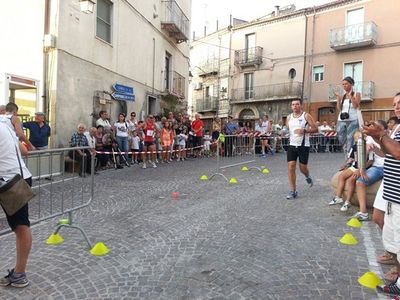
(39, 113)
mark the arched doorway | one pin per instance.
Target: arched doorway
(247, 115)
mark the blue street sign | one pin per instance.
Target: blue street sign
(121, 96)
(123, 89)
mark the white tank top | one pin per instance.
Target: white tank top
(9, 165)
(296, 123)
(352, 111)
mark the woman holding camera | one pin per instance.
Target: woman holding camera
(348, 106)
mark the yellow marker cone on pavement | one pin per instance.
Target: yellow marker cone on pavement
(54, 239)
(99, 249)
(265, 171)
(348, 239)
(204, 177)
(233, 180)
(245, 168)
(369, 280)
(354, 222)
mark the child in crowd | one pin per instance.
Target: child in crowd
(166, 141)
(207, 143)
(182, 138)
(135, 141)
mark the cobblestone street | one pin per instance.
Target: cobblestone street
(216, 241)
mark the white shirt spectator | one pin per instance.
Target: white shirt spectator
(105, 123)
(91, 139)
(135, 142)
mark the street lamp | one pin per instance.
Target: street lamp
(87, 6)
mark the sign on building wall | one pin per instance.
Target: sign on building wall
(123, 92)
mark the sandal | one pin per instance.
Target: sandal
(391, 276)
(386, 259)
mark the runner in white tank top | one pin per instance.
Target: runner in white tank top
(300, 125)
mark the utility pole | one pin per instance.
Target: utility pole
(219, 75)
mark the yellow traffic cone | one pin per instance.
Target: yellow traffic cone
(265, 171)
(348, 239)
(233, 181)
(99, 249)
(354, 222)
(245, 168)
(54, 239)
(369, 280)
(204, 177)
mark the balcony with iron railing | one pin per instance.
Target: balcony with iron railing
(249, 57)
(365, 88)
(279, 91)
(175, 21)
(178, 85)
(206, 104)
(353, 36)
(209, 68)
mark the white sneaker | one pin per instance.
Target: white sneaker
(345, 206)
(154, 165)
(361, 216)
(336, 200)
(178, 159)
(144, 166)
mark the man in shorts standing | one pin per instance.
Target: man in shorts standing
(300, 124)
(197, 128)
(19, 222)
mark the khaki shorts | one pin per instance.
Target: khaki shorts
(391, 229)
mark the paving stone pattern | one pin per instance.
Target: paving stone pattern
(216, 241)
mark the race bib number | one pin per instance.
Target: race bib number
(150, 132)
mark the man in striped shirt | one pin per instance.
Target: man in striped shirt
(391, 192)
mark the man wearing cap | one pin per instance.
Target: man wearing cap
(39, 131)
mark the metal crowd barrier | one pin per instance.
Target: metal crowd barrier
(231, 151)
(58, 193)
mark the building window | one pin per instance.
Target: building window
(248, 86)
(103, 23)
(318, 73)
(292, 73)
(354, 70)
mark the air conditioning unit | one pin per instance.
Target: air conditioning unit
(198, 86)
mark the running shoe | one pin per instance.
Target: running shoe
(291, 195)
(309, 181)
(14, 279)
(154, 165)
(336, 200)
(345, 206)
(361, 216)
(144, 166)
(391, 288)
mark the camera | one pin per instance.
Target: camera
(344, 116)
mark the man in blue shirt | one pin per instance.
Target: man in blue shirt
(230, 129)
(39, 131)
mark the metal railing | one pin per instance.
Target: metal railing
(58, 193)
(366, 88)
(352, 36)
(249, 56)
(206, 104)
(287, 90)
(175, 21)
(178, 85)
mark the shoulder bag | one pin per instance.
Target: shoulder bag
(15, 193)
